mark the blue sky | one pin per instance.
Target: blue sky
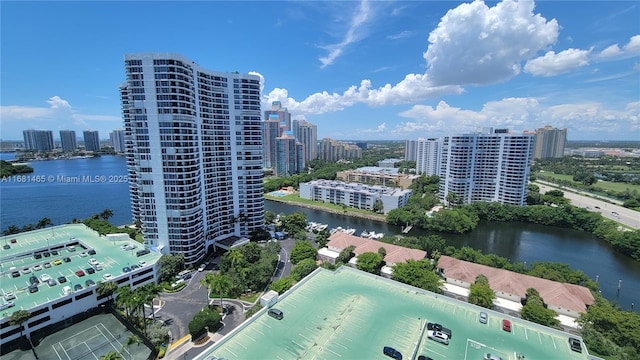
(360, 70)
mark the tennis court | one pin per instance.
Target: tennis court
(349, 314)
(86, 340)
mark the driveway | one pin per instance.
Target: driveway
(179, 308)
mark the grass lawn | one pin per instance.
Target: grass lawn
(251, 297)
(604, 185)
(295, 198)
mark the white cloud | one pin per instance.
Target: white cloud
(519, 114)
(614, 52)
(352, 35)
(477, 44)
(400, 35)
(553, 64)
(382, 128)
(413, 88)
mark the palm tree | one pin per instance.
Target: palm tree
(152, 290)
(107, 288)
(235, 256)
(206, 282)
(131, 340)
(43, 223)
(18, 318)
(112, 355)
(106, 214)
(124, 300)
(220, 283)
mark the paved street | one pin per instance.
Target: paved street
(609, 208)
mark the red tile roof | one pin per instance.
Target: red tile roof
(567, 296)
(395, 254)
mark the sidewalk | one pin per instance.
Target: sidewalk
(185, 349)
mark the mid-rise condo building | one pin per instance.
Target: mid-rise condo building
(428, 153)
(68, 140)
(194, 153)
(117, 140)
(550, 142)
(91, 140)
(39, 140)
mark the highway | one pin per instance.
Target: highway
(609, 210)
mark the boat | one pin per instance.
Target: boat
(364, 234)
(322, 227)
(349, 231)
(375, 236)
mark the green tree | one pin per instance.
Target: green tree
(322, 238)
(294, 223)
(106, 214)
(220, 284)
(43, 223)
(205, 320)
(170, 265)
(302, 250)
(106, 289)
(283, 284)
(480, 293)
(112, 355)
(370, 262)
(534, 310)
(418, 273)
(18, 318)
(378, 206)
(269, 217)
(346, 255)
(303, 268)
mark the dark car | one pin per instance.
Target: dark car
(62, 279)
(89, 282)
(6, 246)
(77, 287)
(92, 252)
(46, 254)
(34, 280)
(276, 313)
(37, 256)
(66, 259)
(391, 352)
(126, 269)
(422, 357)
(15, 274)
(51, 282)
(134, 266)
(575, 344)
(54, 252)
(90, 270)
(33, 288)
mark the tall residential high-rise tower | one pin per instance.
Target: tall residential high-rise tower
(117, 140)
(91, 140)
(307, 134)
(194, 153)
(39, 140)
(428, 156)
(486, 167)
(290, 155)
(550, 142)
(68, 140)
(410, 150)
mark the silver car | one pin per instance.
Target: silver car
(438, 336)
(483, 317)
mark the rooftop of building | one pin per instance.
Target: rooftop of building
(40, 252)
(359, 187)
(378, 170)
(339, 241)
(351, 314)
(567, 296)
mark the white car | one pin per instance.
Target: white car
(142, 263)
(67, 290)
(98, 267)
(9, 296)
(93, 261)
(438, 336)
(83, 254)
(107, 277)
(37, 267)
(202, 267)
(45, 277)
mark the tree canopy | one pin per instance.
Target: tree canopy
(418, 273)
(370, 262)
(302, 250)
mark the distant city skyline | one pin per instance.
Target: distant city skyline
(359, 70)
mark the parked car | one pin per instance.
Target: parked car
(33, 288)
(15, 274)
(438, 336)
(57, 262)
(51, 282)
(506, 325)
(422, 357)
(37, 267)
(391, 352)
(92, 261)
(488, 356)
(89, 282)
(77, 287)
(26, 270)
(7, 305)
(34, 280)
(90, 270)
(67, 290)
(92, 252)
(66, 259)
(439, 327)
(483, 317)
(62, 279)
(46, 265)
(575, 344)
(9, 296)
(202, 267)
(126, 269)
(54, 252)
(276, 313)
(45, 277)
(107, 277)
(79, 273)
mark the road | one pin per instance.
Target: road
(615, 212)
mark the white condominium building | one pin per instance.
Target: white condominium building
(486, 167)
(194, 153)
(356, 195)
(428, 156)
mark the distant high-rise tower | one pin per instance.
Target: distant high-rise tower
(307, 134)
(276, 122)
(410, 150)
(281, 114)
(91, 140)
(428, 156)
(486, 167)
(194, 153)
(117, 140)
(39, 140)
(332, 150)
(68, 140)
(290, 155)
(550, 142)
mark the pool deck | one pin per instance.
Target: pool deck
(349, 314)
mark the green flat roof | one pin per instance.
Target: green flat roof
(20, 256)
(349, 314)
